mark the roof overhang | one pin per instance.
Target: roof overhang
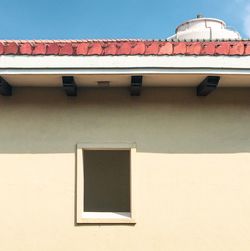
(168, 71)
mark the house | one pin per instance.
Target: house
(126, 144)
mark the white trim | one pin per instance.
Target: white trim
(102, 217)
(124, 71)
(106, 146)
(10, 64)
(106, 215)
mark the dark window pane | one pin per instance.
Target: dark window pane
(106, 180)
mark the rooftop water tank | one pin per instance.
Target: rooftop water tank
(203, 28)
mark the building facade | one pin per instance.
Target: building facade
(124, 145)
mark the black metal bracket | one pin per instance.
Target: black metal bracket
(5, 87)
(208, 85)
(69, 85)
(136, 84)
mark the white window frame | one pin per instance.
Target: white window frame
(102, 217)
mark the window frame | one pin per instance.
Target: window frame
(105, 217)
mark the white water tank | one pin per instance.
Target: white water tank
(203, 28)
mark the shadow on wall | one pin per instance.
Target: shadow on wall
(162, 120)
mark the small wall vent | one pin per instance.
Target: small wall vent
(103, 83)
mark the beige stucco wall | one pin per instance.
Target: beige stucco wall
(192, 172)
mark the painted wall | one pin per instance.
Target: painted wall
(191, 177)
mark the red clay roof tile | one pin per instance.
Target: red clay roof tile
(180, 48)
(166, 48)
(66, 49)
(26, 49)
(152, 48)
(95, 48)
(39, 49)
(1, 48)
(237, 48)
(52, 49)
(123, 47)
(247, 49)
(138, 48)
(222, 48)
(11, 48)
(194, 48)
(109, 48)
(82, 48)
(208, 48)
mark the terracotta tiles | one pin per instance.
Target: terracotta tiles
(194, 48)
(1, 49)
(237, 49)
(180, 48)
(152, 48)
(95, 48)
(166, 48)
(11, 48)
(222, 48)
(52, 49)
(123, 47)
(40, 49)
(66, 49)
(82, 49)
(138, 48)
(208, 48)
(26, 49)
(109, 49)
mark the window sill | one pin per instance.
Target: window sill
(106, 218)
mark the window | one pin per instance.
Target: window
(104, 184)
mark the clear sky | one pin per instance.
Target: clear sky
(76, 19)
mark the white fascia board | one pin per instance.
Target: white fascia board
(10, 64)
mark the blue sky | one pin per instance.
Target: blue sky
(76, 19)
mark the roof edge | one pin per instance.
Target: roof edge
(123, 47)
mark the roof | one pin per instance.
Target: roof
(123, 47)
